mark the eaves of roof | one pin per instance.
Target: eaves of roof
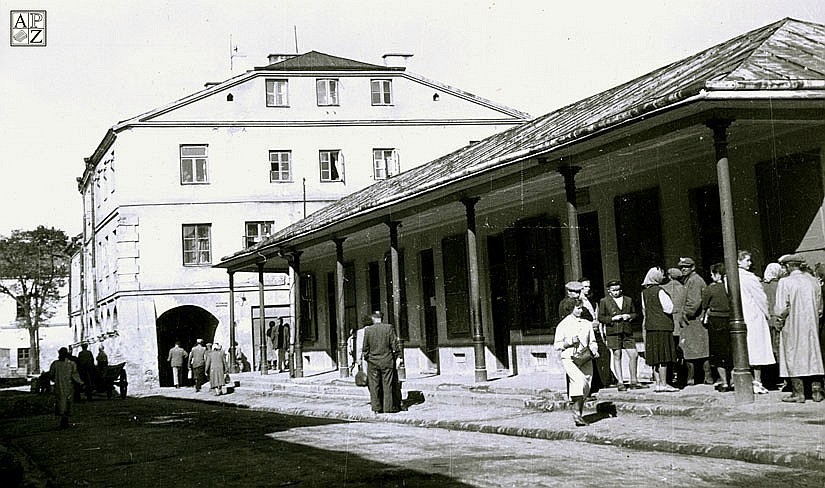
(777, 57)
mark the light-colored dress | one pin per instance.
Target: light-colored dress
(755, 311)
(216, 368)
(580, 377)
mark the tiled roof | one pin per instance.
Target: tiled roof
(315, 61)
(787, 54)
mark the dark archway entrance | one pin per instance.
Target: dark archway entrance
(184, 324)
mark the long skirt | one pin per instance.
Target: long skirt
(719, 342)
(659, 347)
(579, 378)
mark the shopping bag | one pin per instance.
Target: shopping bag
(360, 377)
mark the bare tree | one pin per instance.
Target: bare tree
(33, 269)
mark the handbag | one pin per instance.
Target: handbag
(582, 356)
(360, 377)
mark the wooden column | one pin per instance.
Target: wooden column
(343, 365)
(475, 297)
(297, 362)
(263, 363)
(741, 376)
(574, 248)
(233, 366)
(396, 294)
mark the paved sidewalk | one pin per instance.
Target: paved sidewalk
(696, 421)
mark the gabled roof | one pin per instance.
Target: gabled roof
(315, 61)
(785, 55)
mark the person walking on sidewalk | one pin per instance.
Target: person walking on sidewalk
(197, 362)
(216, 368)
(657, 309)
(755, 312)
(572, 335)
(798, 308)
(64, 373)
(380, 351)
(616, 311)
(177, 358)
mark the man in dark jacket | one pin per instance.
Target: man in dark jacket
(380, 351)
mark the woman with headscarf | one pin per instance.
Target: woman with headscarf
(657, 310)
(773, 271)
(755, 312)
(574, 334)
(216, 368)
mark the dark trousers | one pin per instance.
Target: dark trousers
(282, 365)
(200, 377)
(381, 383)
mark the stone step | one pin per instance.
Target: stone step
(478, 395)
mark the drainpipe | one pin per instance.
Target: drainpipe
(741, 376)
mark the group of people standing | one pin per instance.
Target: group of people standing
(685, 320)
(204, 362)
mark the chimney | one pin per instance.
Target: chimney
(277, 58)
(396, 60)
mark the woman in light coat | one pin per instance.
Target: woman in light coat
(755, 311)
(216, 368)
(573, 334)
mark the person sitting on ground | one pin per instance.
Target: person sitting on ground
(616, 312)
(573, 334)
(716, 306)
(657, 309)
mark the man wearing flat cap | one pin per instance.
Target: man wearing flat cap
(380, 351)
(573, 290)
(798, 308)
(694, 336)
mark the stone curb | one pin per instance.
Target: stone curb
(751, 455)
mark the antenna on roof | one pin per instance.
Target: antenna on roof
(295, 32)
(233, 53)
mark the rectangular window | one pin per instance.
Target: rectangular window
(381, 92)
(332, 166)
(384, 163)
(327, 91)
(277, 93)
(257, 231)
(280, 166)
(193, 164)
(197, 244)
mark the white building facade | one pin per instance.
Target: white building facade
(166, 194)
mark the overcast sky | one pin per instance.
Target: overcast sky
(108, 61)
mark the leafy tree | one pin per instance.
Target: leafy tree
(34, 267)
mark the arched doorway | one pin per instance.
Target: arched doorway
(185, 324)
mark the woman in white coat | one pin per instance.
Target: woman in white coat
(572, 335)
(756, 313)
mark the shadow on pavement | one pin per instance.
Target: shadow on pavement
(164, 442)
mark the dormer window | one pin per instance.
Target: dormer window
(327, 92)
(277, 93)
(381, 92)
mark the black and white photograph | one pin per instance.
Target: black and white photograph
(457, 243)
